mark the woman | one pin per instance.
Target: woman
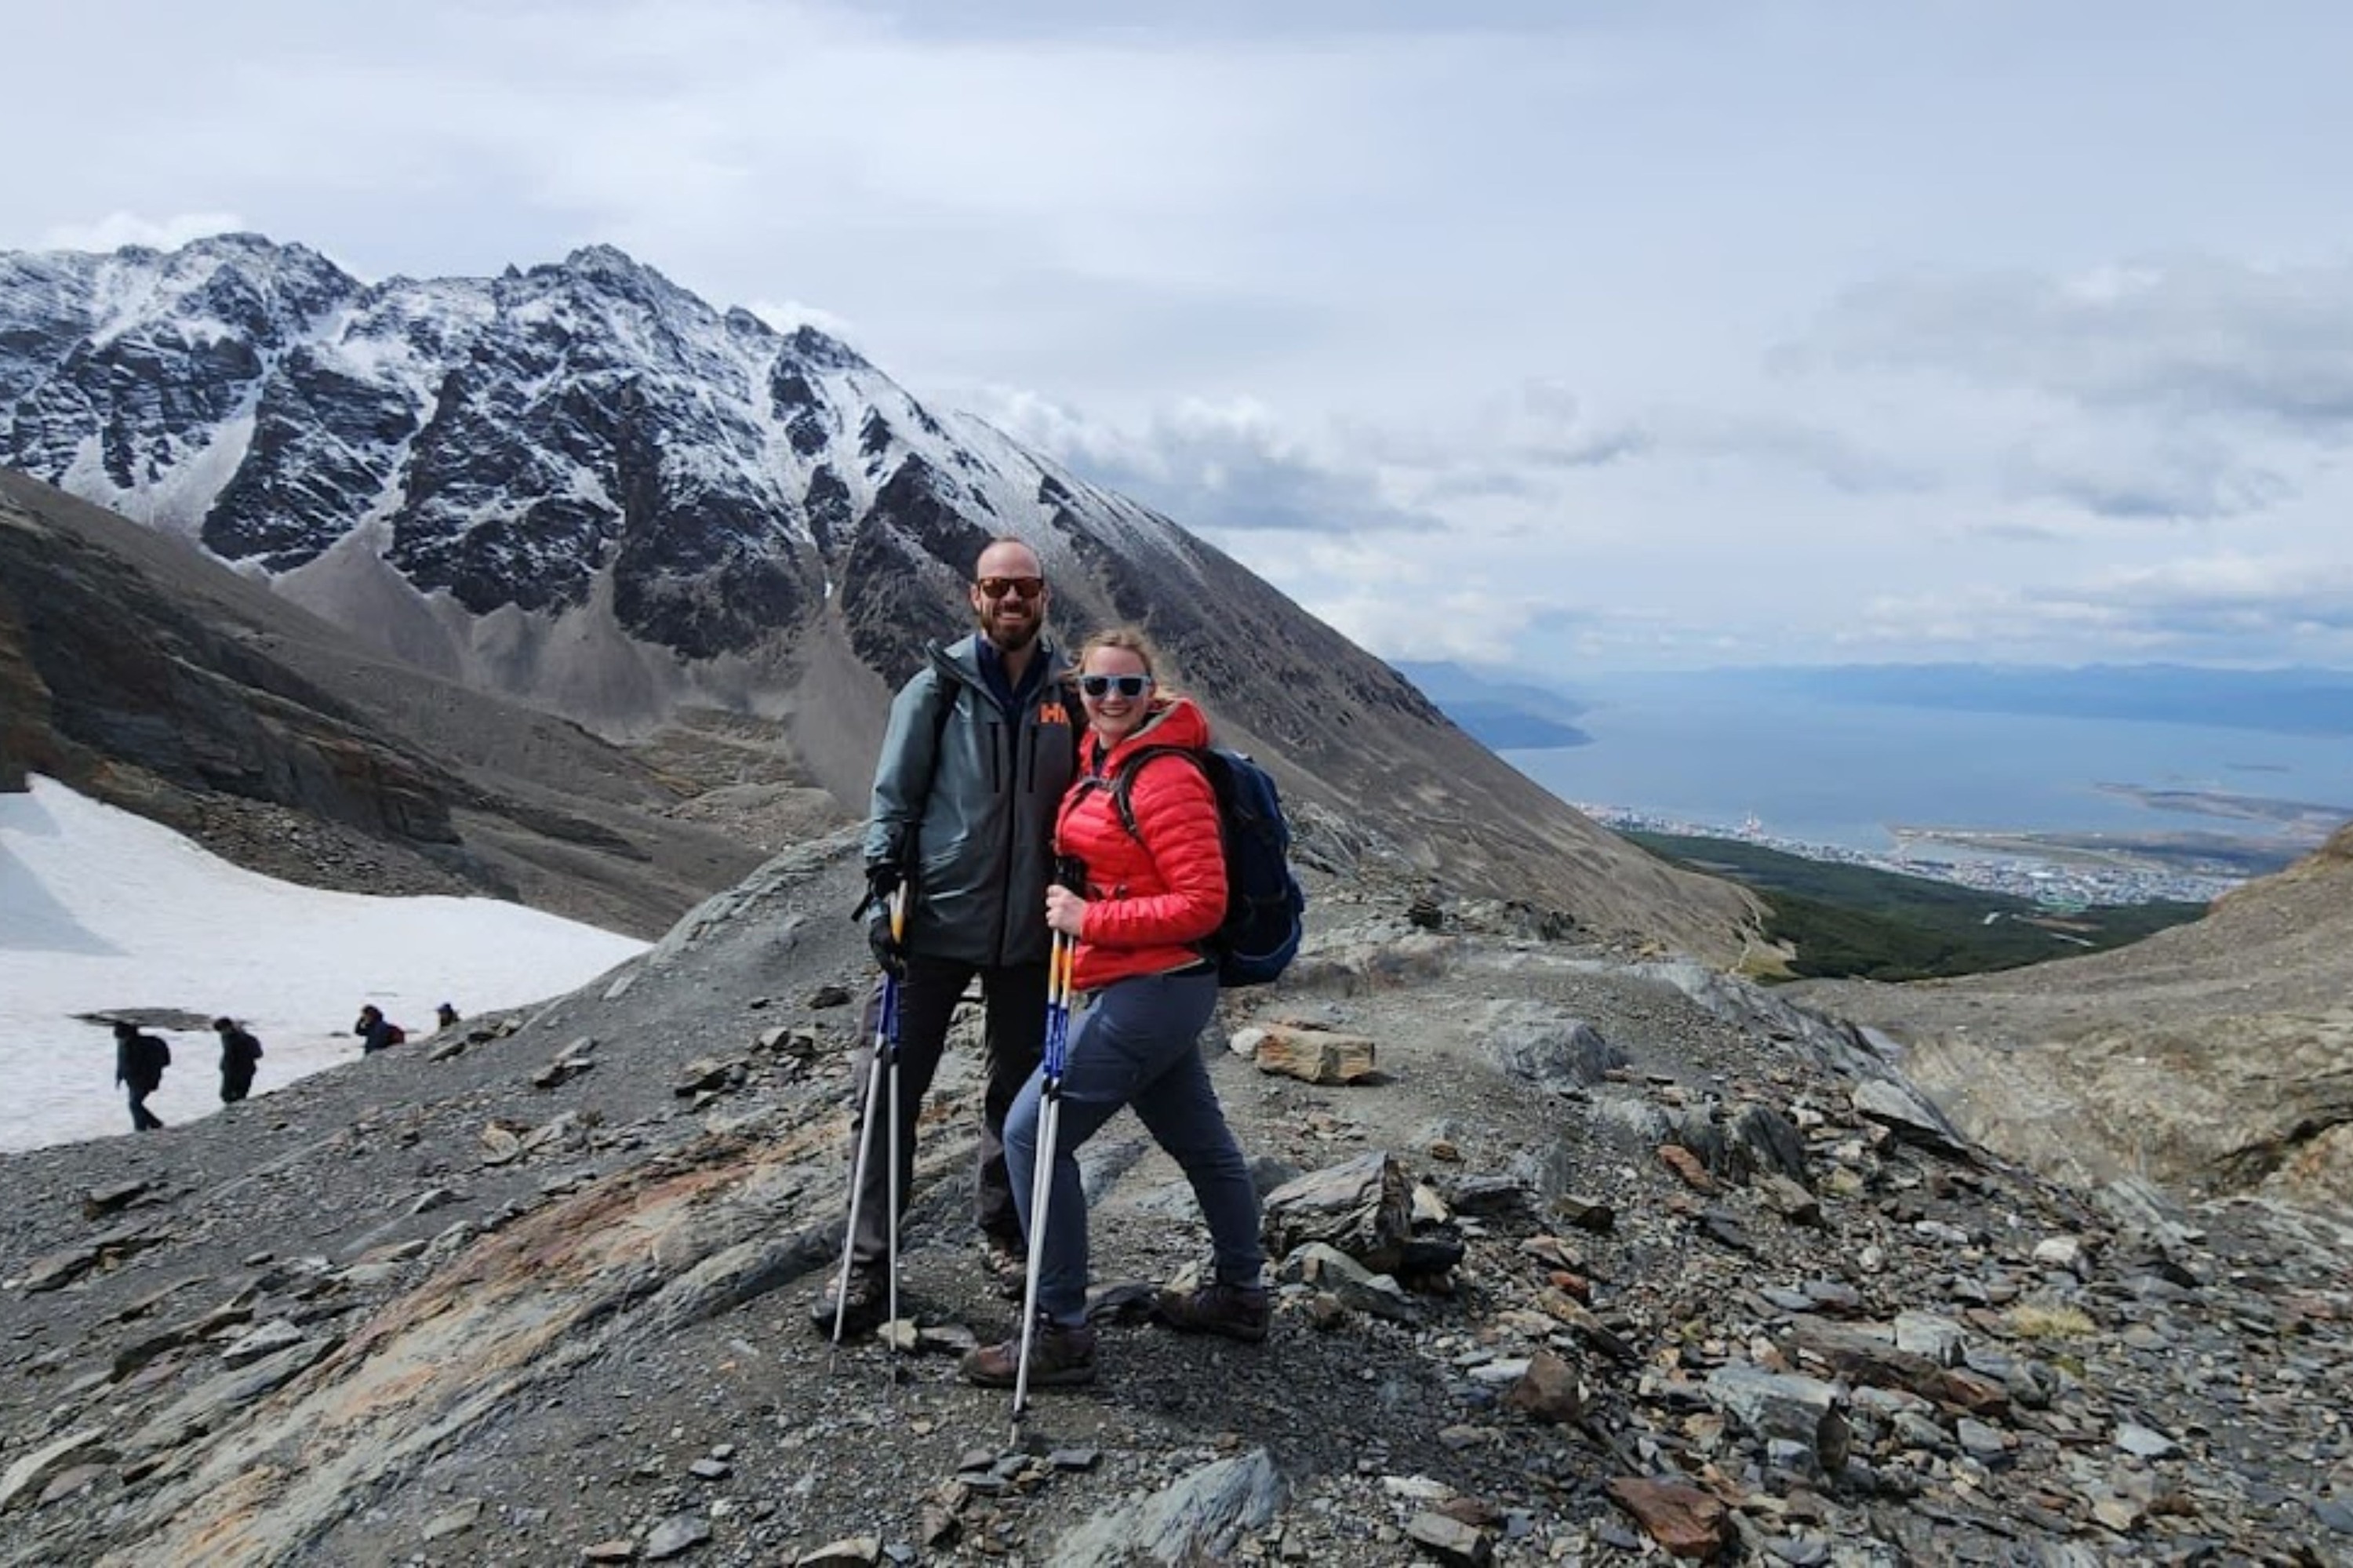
(1149, 899)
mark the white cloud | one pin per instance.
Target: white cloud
(1222, 469)
(117, 229)
(2226, 596)
(2200, 336)
(2123, 469)
(789, 317)
(2221, 608)
(1655, 329)
(1472, 627)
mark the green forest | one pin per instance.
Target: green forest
(1853, 922)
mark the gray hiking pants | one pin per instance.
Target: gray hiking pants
(1138, 1045)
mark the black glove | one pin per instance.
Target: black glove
(882, 882)
(889, 951)
(882, 879)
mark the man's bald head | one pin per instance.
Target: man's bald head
(1009, 595)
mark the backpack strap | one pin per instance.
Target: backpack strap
(943, 702)
(1077, 711)
(1123, 782)
(944, 698)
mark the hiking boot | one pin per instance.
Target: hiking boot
(1059, 1356)
(1007, 1265)
(869, 1304)
(1236, 1312)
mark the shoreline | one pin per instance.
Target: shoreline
(2058, 868)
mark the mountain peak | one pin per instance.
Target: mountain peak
(744, 324)
(824, 351)
(248, 280)
(244, 249)
(611, 264)
(239, 242)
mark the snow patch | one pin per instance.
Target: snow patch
(100, 909)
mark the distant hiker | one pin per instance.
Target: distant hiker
(240, 1055)
(1143, 904)
(375, 1032)
(973, 765)
(139, 1063)
(444, 1016)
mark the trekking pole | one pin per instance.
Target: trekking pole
(885, 1063)
(1058, 962)
(891, 1032)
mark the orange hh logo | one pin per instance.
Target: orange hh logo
(1053, 714)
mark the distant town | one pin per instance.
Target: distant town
(2061, 879)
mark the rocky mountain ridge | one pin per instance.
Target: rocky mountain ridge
(2212, 1058)
(1602, 1258)
(580, 441)
(137, 672)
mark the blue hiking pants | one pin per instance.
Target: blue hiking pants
(1137, 1045)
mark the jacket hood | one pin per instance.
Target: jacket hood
(1172, 721)
(961, 659)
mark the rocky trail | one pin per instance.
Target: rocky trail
(1584, 1256)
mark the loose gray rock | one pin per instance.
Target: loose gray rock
(1198, 1517)
(1547, 1048)
(679, 1533)
(34, 1469)
(1802, 1410)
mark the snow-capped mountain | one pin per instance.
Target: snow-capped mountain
(582, 486)
(580, 435)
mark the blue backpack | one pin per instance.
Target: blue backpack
(1265, 907)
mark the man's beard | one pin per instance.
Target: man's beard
(1010, 636)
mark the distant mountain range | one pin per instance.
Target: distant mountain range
(1507, 716)
(1513, 710)
(2289, 701)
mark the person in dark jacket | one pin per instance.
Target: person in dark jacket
(979, 749)
(444, 1016)
(240, 1055)
(139, 1063)
(1148, 899)
(376, 1033)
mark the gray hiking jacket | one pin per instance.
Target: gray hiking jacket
(966, 793)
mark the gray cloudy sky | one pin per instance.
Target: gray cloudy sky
(1577, 335)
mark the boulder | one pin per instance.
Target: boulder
(1363, 1207)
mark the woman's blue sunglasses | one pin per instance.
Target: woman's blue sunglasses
(1129, 686)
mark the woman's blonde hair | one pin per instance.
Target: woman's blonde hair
(1134, 641)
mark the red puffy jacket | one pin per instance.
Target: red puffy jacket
(1152, 894)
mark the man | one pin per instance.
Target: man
(139, 1063)
(979, 750)
(240, 1055)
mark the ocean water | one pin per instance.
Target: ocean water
(1840, 773)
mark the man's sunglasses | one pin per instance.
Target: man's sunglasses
(1021, 587)
(1128, 686)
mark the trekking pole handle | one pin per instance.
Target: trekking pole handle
(1060, 964)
